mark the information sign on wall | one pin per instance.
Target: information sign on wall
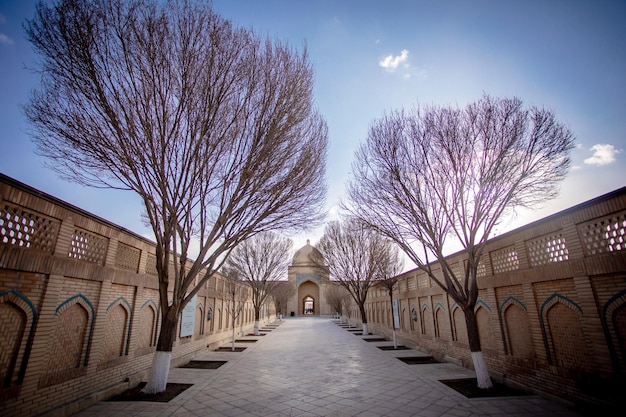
(396, 315)
(188, 317)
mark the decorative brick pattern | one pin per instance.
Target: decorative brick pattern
(547, 249)
(198, 323)
(566, 336)
(481, 271)
(116, 325)
(426, 318)
(151, 268)
(20, 227)
(88, 247)
(460, 329)
(147, 320)
(127, 257)
(67, 345)
(504, 260)
(519, 342)
(442, 323)
(484, 330)
(604, 235)
(12, 325)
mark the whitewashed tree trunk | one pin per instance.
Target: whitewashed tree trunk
(482, 374)
(256, 327)
(233, 342)
(365, 329)
(157, 380)
(395, 344)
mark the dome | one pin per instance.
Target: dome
(303, 255)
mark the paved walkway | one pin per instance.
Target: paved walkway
(313, 367)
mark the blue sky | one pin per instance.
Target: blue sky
(373, 56)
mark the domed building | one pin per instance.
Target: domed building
(309, 282)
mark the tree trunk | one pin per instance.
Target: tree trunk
(480, 366)
(233, 341)
(363, 319)
(157, 378)
(395, 344)
(257, 316)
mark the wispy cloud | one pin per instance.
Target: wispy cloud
(391, 63)
(5, 39)
(603, 154)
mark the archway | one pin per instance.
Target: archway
(308, 305)
(309, 298)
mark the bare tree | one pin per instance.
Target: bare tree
(235, 300)
(355, 257)
(261, 262)
(171, 101)
(335, 296)
(388, 280)
(435, 174)
(281, 294)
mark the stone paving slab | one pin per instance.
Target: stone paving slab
(312, 367)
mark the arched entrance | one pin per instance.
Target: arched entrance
(309, 296)
(308, 305)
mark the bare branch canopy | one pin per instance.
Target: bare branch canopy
(433, 175)
(213, 126)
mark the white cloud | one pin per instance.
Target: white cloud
(390, 63)
(603, 154)
(5, 39)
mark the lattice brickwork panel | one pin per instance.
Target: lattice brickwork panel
(481, 271)
(127, 257)
(88, 247)
(151, 265)
(604, 235)
(19, 227)
(504, 260)
(547, 249)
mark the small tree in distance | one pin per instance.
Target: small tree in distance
(236, 296)
(335, 296)
(281, 294)
(356, 257)
(439, 173)
(261, 262)
(388, 280)
(173, 102)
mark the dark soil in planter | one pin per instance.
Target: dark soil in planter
(469, 388)
(245, 340)
(418, 360)
(135, 394)
(203, 364)
(252, 334)
(375, 339)
(230, 349)
(399, 347)
(358, 334)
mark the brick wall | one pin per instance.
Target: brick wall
(551, 308)
(79, 306)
